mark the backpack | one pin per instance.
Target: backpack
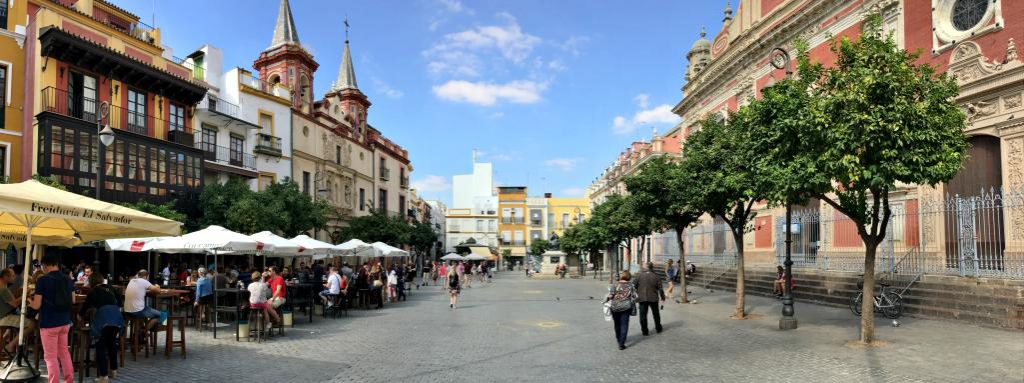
(62, 294)
(622, 300)
(453, 282)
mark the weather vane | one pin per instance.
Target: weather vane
(346, 29)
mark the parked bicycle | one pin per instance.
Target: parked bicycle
(888, 302)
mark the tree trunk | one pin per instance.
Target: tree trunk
(640, 251)
(867, 318)
(740, 310)
(682, 267)
(627, 256)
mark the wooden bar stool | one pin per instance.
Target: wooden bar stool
(170, 343)
(137, 326)
(257, 325)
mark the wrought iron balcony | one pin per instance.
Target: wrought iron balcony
(197, 71)
(385, 173)
(215, 104)
(267, 144)
(225, 155)
(405, 182)
(60, 102)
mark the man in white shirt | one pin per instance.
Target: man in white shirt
(333, 286)
(135, 299)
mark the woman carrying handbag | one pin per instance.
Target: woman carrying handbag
(621, 302)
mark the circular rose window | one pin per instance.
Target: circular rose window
(966, 14)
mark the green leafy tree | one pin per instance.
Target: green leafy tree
(50, 181)
(378, 227)
(217, 199)
(422, 237)
(255, 212)
(659, 190)
(539, 246)
(618, 220)
(298, 212)
(166, 210)
(879, 120)
(724, 182)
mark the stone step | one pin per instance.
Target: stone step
(991, 303)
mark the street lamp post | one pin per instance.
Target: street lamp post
(780, 60)
(106, 138)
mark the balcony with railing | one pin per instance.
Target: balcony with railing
(247, 80)
(217, 105)
(63, 103)
(225, 155)
(512, 220)
(189, 63)
(404, 182)
(267, 144)
(385, 173)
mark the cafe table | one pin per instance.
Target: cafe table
(229, 300)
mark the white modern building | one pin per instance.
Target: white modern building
(474, 210)
(243, 129)
(438, 222)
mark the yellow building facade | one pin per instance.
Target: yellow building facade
(512, 229)
(566, 212)
(92, 64)
(13, 137)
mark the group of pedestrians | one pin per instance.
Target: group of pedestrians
(632, 296)
(456, 276)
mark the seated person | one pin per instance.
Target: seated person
(135, 299)
(9, 303)
(259, 293)
(333, 286)
(779, 284)
(83, 277)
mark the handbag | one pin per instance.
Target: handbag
(377, 283)
(607, 310)
(632, 313)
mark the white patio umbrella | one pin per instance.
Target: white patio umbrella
(277, 245)
(452, 257)
(318, 249)
(213, 239)
(474, 257)
(381, 249)
(54, 216)
(352, 247)
(135, 245)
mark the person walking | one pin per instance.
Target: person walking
(53, 299)
(453, 288)
(649, 294)
(670, 273)
(621, 301)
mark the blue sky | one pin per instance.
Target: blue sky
(549, 91)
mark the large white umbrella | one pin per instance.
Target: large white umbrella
(55, 216)
(319, 249)
(278, 246)
(381, 249)
(213, 239)
(131, 244)
(451, 257)
(352, 247)
(474, 257)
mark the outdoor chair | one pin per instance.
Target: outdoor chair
(169, 342)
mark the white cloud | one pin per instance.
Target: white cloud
(557, 65)
(565, 164)
(621, 126)
(386, 89)
(572, 192)
(460, 53)
(432, 184)
(658, 115)
(487, 94)
(572, 44)
(453, 6)
(497, 155)
(661, 114)
(641, 100)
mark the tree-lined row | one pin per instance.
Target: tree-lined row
(845, 135)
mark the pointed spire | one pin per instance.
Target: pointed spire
(347, 73)
(728, 12)
(284, 30)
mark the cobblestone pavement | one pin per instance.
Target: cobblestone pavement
(519, 330)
